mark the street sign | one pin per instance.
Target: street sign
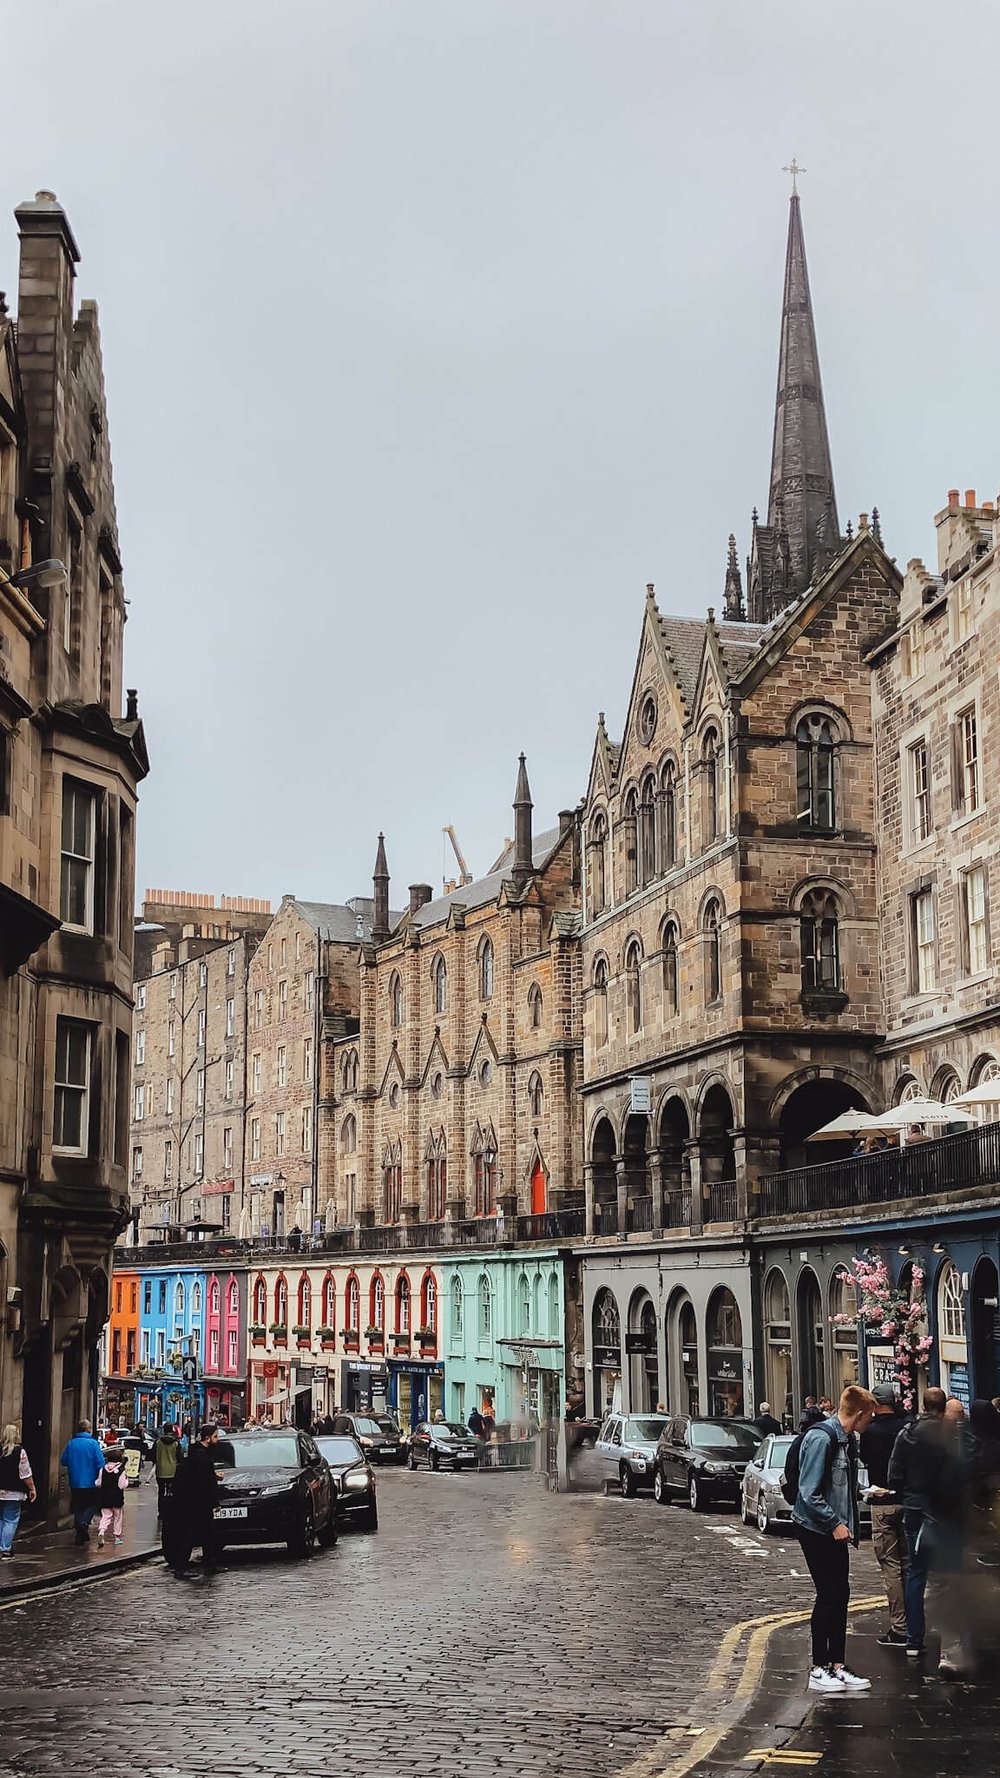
(641, 1095)
(189, 1369)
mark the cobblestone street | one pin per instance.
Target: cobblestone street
(489, 1627)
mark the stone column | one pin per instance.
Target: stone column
(692, 1149)
(588, 1196)
(654, 1166)
(621, 1181)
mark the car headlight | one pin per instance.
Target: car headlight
(356, 1480)
(717, 1469)
(366, 1443)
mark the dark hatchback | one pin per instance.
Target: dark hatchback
(702, 1459)
(379, 1439)
(443, 1443)
(275, 1487)
(354, 1478)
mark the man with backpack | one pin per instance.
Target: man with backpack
(931, 1471)
(822, 1465)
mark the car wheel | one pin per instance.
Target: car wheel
(411, 1461)
(763, 1516)
(626, 1481)
(695, 1495)
(745, 1514)
(303, 1542)
(328, 1536)
(659, 1487)
(434, 1460)
(369, 1519)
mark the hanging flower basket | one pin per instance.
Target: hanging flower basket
(279, 1333)
(258, 1333)
(303, 1335)
(327, 1338)
(351, 1338)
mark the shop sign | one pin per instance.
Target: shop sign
(725, 1367)
(642, 1100)
(958, 1383)
(881, 1363)
(643, 1341)
(213, 1187)
(607, 1357)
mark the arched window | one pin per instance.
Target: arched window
(523, 1305)
(396, 999)
(437, 1176)
(329, 1301)
(440, 977)
(647, 832)
(353, 1303)
(457, 1306)
(485, 1308)
(484, 1166)
(711, 762)
(179, 1299)
(633, 986)
(600, 1003)
(668, 815)
(631, 823)
(214, 1297)
(671, 987)
(534, 1006)
(234, 1297)
(402, 1303)
(814, 773)
(712, 924)
(349, 1071)
(428, 1303)
(377, 1301)
(553, 1295)
(349, 1135)
(607, 1321)
(281, 1302)
(597, 864)
(196, 1299)
(260, 1303)
(486, 970)
(819, 935)
(951, 1303)
(535, 1095)
(304, 1306)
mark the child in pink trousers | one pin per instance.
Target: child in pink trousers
(111, 1487)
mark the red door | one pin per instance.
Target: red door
(538, 1190)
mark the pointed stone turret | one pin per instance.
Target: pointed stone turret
(522, 826)
(802, 531)
(732, 598)
(380, 883)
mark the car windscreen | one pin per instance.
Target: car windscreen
(259, 1453)
(369, 1428)
(449, 1429)
(339, 1450)
(723, 1435)
(386, 1423)
(647, 1430)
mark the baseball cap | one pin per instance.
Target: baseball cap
(885, 1395)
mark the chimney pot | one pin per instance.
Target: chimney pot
(970, 496)
(952, 496)
(420, 895)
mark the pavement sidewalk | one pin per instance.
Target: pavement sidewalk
(45, 1558)
(911, 1721)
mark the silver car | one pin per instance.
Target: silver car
(626, 1446)
(761, 1500)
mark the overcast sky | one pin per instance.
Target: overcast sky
(434, 329)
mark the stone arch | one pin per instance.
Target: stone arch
(777, 1305)
(847, 905)
(810, 1326)
(840, 725)
(674, 1142)
(907, 1086)
(724, 1350)
(604, 1175)
(946, 1084)
(811, 1099)
(643, 1366)
(716, 1122)
(683, 1359)
(985, 1067)
(606, 1347)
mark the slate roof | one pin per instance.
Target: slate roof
(339, 925)
(685, 639)
(481, 893)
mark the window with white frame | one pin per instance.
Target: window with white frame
(284, 952)
(213, 1350)
(199, 1155)
(307, 1129)
(298, 947)
(255, 1073)
(79, 829)
(258, 1008)
(230, 1073)
(201, 1028)
(168, 1160)
(924, 941)
(255, 1138)
(975, 932)
(200, 1090)
(279, 1132)
(270, 956)
(282, 1000)
(967, 761)
(913, 650)
(282, 1065)
(919, 780)
(230, 1018)
(233, 1352)
(171, 1037)
(173, 985)
(137, 1162)
(140, 1048)
(139, 1103)
(227, 1149)
(170, 1095)
(140, 996)
(963, 608)
(231, 962)
(310, 986)
(203, 975)
(307, 1058)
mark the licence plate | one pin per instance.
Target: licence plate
(230, 1512)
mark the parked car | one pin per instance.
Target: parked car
(354, 1478)
(391, 1427)
(702, 1459)
(275, 1488)
(626, 1445)
(380, 1443)
(444, 1442)
(761, 1499)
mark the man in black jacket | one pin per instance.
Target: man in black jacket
(887, 1515)
(929, 1471)
(192, 1507)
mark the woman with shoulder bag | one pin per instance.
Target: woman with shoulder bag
(16, 1482)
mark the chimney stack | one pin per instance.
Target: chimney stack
(380, 881)
(953, 498)
(523, 864)
(420, 895)
(49, 255)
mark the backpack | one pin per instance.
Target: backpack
(790, 1477)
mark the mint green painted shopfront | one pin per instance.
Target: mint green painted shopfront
(504, 1338)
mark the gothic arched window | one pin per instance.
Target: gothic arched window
(396, 999)
(671, 986)
(711, 760)
(535, 1095)
(647, 832)
(486, 970)
(631, 822)
(600, 1003)
(712, 926)
(668, 815)
(535, 1006)
(597, 863)
(633, 986)
(814, 768)
(820, 940)
(440, 986)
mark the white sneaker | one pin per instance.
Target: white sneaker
(100, 1540)
(117, 1542)
(824, 1679)
(852, 1682)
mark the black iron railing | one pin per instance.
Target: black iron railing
(722, 1201)
(920, 1170)
(638, 1216)
(400, 1237)
(677, 1210)
(606, 1216)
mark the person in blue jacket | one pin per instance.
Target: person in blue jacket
(83, 1460)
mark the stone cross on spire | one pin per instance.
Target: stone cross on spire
(795, 170)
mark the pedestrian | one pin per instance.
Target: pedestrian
(888, 1540)
(166, 1458)
(827, 1519)
(193, 1503)
(476, 1423)
(83, 1459)
(111, 1490)
(489, 1418)
(984, 1423)
(825, 1406)
(765, 1421)
(931, 1471)
(811, 1414)
(439, 1416)
(16, 1484)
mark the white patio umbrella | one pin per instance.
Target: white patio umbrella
(846, 1124)
(922, 1111)
(986, 1093)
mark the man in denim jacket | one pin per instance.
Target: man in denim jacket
(826, 1518)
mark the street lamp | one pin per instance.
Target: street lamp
(49, 573)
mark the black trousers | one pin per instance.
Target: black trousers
(185, 1531)
(828, 1562)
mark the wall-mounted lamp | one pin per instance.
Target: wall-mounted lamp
(938, 1248)
(903, 1252)
(51, 572)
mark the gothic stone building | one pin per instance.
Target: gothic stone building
(70, 763)
(459, 1097)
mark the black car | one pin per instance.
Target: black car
(702, 1459)
(274, 1488)
(354, 1477)
(391, 1427)
(380, 1443)
(443, 1442)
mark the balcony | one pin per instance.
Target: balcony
(606, 1216)
(639, 1216)
(928, 1169)
(722, 1201)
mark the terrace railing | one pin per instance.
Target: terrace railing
(926, 1169)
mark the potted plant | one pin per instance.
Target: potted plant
(279, 1332)
(327, 1338)
(375, 1335)
(303, 1335)
(258, 1332)
(350, 1337)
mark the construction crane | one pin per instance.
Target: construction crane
(464, 873)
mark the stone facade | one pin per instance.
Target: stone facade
(70, 764)
(459, 1096)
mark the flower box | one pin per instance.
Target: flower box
(327, 1337)
(279, 1333)
(351, 1338)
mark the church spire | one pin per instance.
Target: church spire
(732, 598)
(802, 529)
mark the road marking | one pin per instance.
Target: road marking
(783, 1756)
